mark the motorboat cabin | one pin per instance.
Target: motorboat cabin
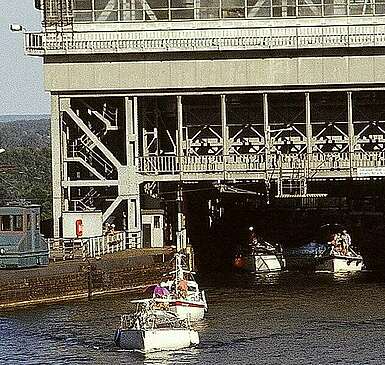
(152, 328)
(21, 243)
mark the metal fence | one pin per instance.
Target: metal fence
(75, 248)
(310, 165)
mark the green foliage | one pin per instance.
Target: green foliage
(30, 177)
(26, 172)
(25, 134)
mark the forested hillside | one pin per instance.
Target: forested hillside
(29, 134)
(25, 166)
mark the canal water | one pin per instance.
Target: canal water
(289, 318)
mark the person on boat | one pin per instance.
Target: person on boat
(334, 242)
(160, 292)
(347, 241)
(182, 288)
(252, 237)
(257, 242)
(340, 244)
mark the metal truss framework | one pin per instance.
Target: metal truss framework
(253, 136)
(110, 145)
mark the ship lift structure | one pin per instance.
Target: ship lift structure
(147, 93)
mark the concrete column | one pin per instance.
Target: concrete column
(57, 160)
(134, 222)
(225, 134)
(179, 144)
(266, 128)
(129, 188)
(309, 131)
(64, 149)
(350, 130)
(132, 145)
(179, 134)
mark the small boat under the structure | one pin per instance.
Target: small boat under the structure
(182, 292)
(325, 260)
(334, 255)
(259, 256)
(153, 328)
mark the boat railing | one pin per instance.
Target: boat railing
(127, 321)
(150, 318)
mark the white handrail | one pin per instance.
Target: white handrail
(295, 37)
(87, 247)
(316, 161)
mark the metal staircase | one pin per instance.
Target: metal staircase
(86, 203)
(84, 150)
(107, 116)
(92, 160)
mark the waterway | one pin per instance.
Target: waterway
(291, 318)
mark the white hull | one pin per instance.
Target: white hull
(194, 311)
(341, 264)
(156, 339)
(264, 263)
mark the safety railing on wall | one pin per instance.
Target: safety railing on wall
(78, 248)
(295, 37)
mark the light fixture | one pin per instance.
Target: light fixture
(16, 28)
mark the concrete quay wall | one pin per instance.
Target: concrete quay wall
(62, 281)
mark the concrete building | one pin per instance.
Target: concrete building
(149, 92)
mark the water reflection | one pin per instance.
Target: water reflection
(268, 278)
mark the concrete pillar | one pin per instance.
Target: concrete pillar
(129, 186)
(350, 130)
(225, 134)
(309, 131)
(56, 164)
(266, 129)
(179, 144)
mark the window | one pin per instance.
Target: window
(82, 5)
(157, 221)
(28, 221)
(5, 224)
(17, 222)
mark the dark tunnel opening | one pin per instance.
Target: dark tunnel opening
(218, 222)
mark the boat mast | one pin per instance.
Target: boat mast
(178, 271)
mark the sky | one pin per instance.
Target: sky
(21, 77)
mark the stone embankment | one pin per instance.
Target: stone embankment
(130, 270)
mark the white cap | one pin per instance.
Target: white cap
(251, 228)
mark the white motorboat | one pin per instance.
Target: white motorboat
(264, 262)
(153, 328)
(325, 261)
(333, 254)
(337, 262)
(259, 256)
(183, 294)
